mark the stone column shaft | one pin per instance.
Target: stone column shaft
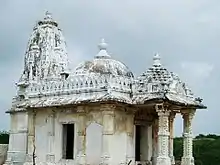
(130, 155)
(31, 135)
(149, 141)
(50, 157)
(187, 158)
(163, 157)
(154, 141)
(171, 122)
(108, 131)
(17, 149)
(81, 147)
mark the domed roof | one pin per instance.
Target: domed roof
(158, 83)
(103, 64)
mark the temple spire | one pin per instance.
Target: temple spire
(156, 60)
(46, 54)
(102, 50)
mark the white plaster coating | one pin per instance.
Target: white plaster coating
(49, 95)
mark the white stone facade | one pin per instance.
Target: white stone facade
(100, 113)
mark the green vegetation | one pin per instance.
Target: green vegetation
(4, 137)
(206, 148)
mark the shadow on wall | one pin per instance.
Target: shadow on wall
(3, 153)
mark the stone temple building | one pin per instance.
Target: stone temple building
(55, 110)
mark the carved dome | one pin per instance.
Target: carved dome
(103, 64)
(158, 83)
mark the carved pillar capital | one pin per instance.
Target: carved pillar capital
(162, 109)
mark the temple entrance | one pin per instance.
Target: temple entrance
(141, 143)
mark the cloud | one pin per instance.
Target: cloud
(197, 71)
(185, 33)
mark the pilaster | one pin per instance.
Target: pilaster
(81, 136)
(149, 141)
(187, 158)
(107, 134)
(31, 136)
(171, 124)
(50, 157)
(130, 154)
(163, 135)
(154, 141)
(18, 138)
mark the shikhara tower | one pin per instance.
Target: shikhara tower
(46, 55)
(54, 109)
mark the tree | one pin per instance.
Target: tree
(4, 137)
(206, 149)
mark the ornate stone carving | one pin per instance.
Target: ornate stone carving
(163, 135)
(171, 123)
(187, 158)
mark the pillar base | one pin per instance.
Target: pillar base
(105, 160)
(163, 161)
(29, 158)
(172, 160)
(81, 159)
(187, 161)
(50, 158)
(154, 160)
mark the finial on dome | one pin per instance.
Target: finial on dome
(103, 45)
(102, 50)
(156, 59)
(48, 15)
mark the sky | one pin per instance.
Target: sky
(186, 34)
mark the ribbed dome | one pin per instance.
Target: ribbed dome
(103, 64)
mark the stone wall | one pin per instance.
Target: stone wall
(3, 153)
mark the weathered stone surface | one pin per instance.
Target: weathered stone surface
(3, 153)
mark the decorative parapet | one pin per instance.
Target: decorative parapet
(80, 84)
(76, 89)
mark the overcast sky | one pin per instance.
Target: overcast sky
(185, 33)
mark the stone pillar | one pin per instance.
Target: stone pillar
(171, 122)
(18, 138)
(187, 158)
(50, 157)
(31, 136)
(108, 131)
(149, 142)
(163, 135)
(130, 154)
(154, 141)
(81, 136)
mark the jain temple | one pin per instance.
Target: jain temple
(55, 110)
